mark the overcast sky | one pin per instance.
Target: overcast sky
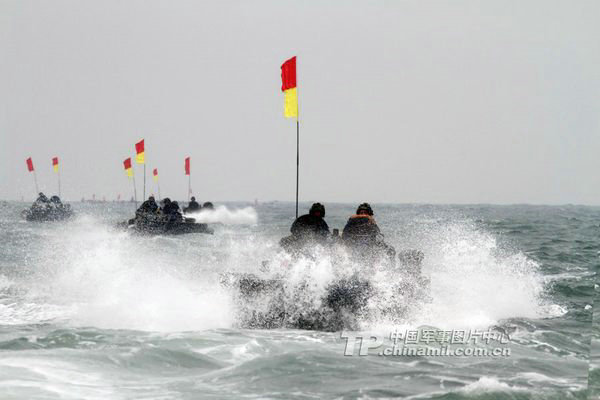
(400, 101)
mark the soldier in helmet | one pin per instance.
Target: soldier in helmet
(361, 228)
(193, 206)
(41, 200)
(41, 204)
(362, 234)
(312, 223)
(308, 228)
(148, 207)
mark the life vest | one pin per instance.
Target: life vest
(369, 217)
(360, 228)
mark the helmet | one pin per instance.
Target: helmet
(208, 205)
(55, 199)
(365, 207)
(167, 200)
(317, 207)
(151, 198)
(193, 198)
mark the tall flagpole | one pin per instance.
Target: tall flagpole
(134, 191)
(189, 185)
(144, 198)
(58, 171)
(290, 89)
(158, 184)
(297, 162)
(297, 146)
(37, 190)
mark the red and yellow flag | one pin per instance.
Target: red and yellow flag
(55, 164)
(288, 87)
(29, 162)
(139, 150)
(187, 166)
(155, 174)
(128, 169)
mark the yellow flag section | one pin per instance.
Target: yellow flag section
(291, 103)
(289, 89)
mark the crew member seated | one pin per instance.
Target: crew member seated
(175, 214)
(208, 206)
(361, 228)
(41, 204)
(171, 210)
(148, 207)
(41, 200)
(55, 202)
(361, 234)
(193, 206)
(175, 206)
(307, 228)
(166, 206)
(312, 224)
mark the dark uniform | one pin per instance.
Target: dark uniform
(360, 229)
(193, 206)
(42, 198)
(167, 206)
(148, 207)
(311, 226)
(363, 237)
(41, 205)
(307, 229)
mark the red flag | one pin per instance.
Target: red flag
(155, 172)
(128, 169)
(187, 166)
(55, 161)
(139, 151)
(288, 74)
(29, 164)
(139, 146)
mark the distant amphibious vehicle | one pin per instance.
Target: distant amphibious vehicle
(150, 219)
(44, 210)
(160, 225)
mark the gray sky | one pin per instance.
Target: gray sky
(400, 101)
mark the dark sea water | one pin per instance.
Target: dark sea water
(91, 312)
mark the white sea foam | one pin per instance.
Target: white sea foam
(241, 216)
(475, 283)
(487, 384)
(99, 277)
(114, 280)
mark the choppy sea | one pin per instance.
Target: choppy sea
(88, 311)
